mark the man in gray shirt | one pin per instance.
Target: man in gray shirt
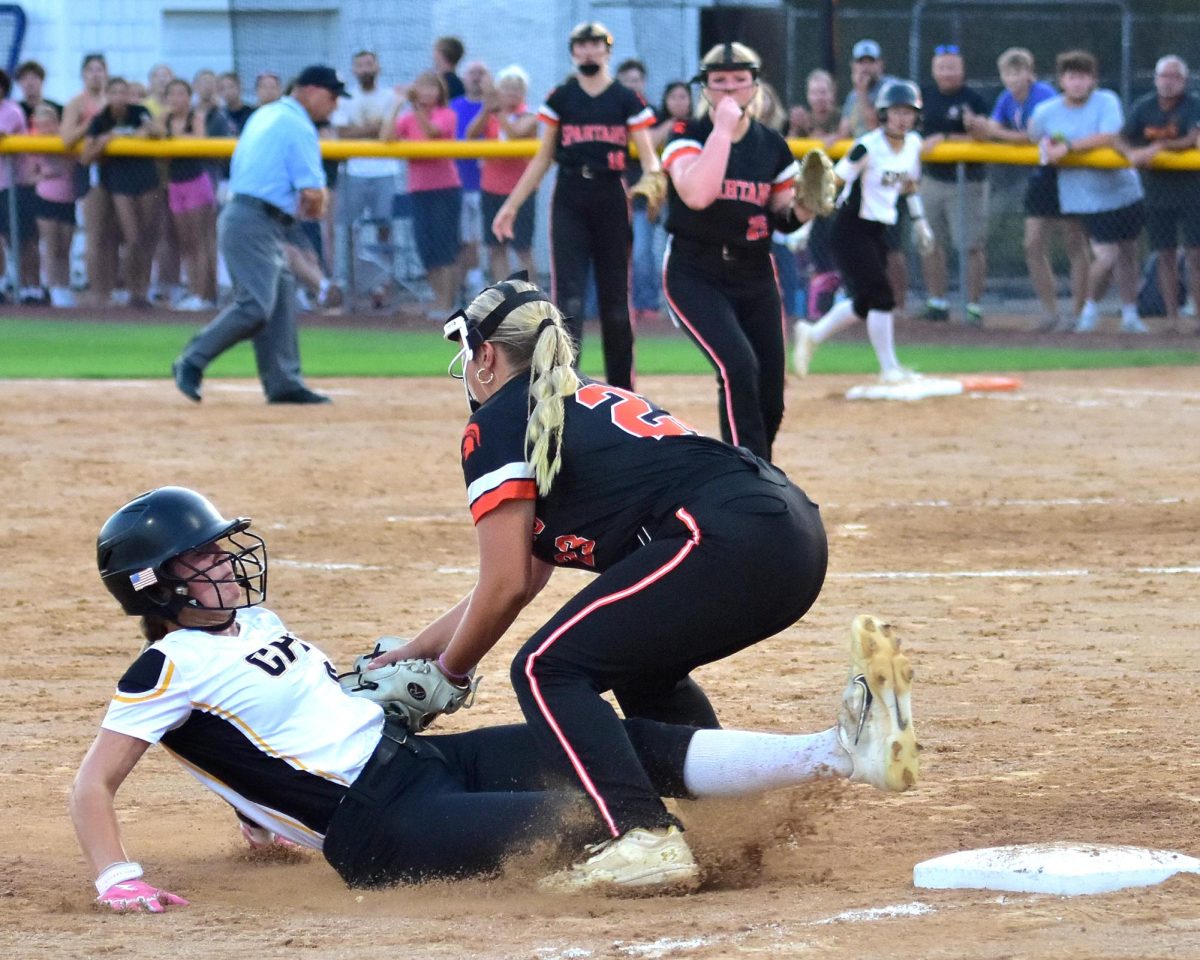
(275, 175)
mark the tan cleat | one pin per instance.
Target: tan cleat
(803, 347)
(638, 862)
(875, 724)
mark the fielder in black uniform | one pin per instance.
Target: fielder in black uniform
(701, 549)
(588, 124)
(257, 716)
(731, 186)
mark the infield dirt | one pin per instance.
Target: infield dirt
(1037, 553)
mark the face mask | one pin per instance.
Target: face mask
(589, 69)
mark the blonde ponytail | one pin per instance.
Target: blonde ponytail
(533, 338)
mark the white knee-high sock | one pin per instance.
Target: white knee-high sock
(730, 763)
(840, 316)
(880, 329)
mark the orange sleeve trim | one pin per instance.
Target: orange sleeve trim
(780, 187)
(520, 489)
(153, 694)
(648, 122)
(680, 152)
(546, 118)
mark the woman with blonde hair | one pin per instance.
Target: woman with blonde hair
(701, 549)
(731, 186)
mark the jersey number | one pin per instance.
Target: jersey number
(616, 159)
(632, 413)
(756, 227)
(573, 549)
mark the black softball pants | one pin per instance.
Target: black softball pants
(461, 804)
(590, 226)
(860, 249)
(738, 561)
(727, 301)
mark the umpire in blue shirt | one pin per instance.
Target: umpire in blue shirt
(275, 177)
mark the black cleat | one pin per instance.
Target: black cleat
(187, 379)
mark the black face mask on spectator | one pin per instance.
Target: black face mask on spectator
(589, 69)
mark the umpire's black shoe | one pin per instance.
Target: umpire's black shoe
(187, 379)
(302, 395)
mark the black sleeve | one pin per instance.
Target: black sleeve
(857, 152)
(143, 674)
(98, 125)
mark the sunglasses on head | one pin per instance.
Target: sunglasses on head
(944, 48)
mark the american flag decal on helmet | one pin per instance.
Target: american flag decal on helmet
(143, 579)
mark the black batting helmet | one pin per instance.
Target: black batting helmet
(137, 544)
(591, 30)
(897, 93)
(728, 56)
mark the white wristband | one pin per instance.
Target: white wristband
(117, 872)
(916, 206)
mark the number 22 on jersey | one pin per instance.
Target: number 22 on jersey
(632, 413)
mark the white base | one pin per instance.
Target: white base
(1065, 869)
(920, 388)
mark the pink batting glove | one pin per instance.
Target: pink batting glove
(134, 896)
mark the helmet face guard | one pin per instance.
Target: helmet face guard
(589, 31)
(471, 334)
(163, 546)
(729, 63)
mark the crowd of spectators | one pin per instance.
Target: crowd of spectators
(151, 225)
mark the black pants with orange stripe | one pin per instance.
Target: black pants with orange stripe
(590, 227)
(731, 309)
(741, 559)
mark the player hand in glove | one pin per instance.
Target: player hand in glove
(134, 896)
(815, 184)
(923, 238)
(653, 186)
(417, 691)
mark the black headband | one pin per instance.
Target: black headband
(479, 331)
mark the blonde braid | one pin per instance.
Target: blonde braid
(534, 339)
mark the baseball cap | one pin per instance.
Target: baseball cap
(319, 75)
(867, 48)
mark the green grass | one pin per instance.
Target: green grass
(64, 349)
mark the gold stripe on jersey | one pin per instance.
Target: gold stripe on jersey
(266, 747)
(207, 778)
(156, 692)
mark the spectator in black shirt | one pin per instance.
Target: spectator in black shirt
(1168, 119)
(131, 181)
(953, 111)
(447, 52)
(30, 77)
(229, 88)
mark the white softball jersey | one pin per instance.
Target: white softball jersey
(258, 718)
(876, 175)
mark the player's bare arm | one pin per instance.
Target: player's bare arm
(502, 225)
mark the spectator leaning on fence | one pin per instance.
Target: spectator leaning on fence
(505, 116)
(644, 267)
(30, 76)
(447, 53)
(1080, 119)
(229, 89)
(1009, 123)
(276, 174)
(21, 195)
(192, 202)
(98, 219)
(954, 112)
(477, 81)
(1168, 119)
(132, 182)
(55, 207)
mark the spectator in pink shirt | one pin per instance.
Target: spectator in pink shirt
(12, 120)
(434, 186)
(55, 207)
(506, 117)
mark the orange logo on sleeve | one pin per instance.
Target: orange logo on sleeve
(471, 441)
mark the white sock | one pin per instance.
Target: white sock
(880, 328)
(1129, 313)
(730, 763)
(840, 316)
(1089, 309)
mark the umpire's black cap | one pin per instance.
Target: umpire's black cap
(319, 75)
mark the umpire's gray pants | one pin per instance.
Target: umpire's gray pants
(264, 301)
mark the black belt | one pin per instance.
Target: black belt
(272, 211)
(589, 173)
(395, 743)
(726, 251)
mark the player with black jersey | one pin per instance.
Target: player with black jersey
(731, 185)
(587, 126)
(701, 549)
(257, 715)
(881, 166)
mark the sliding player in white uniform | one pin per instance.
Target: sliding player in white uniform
(882, 166)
